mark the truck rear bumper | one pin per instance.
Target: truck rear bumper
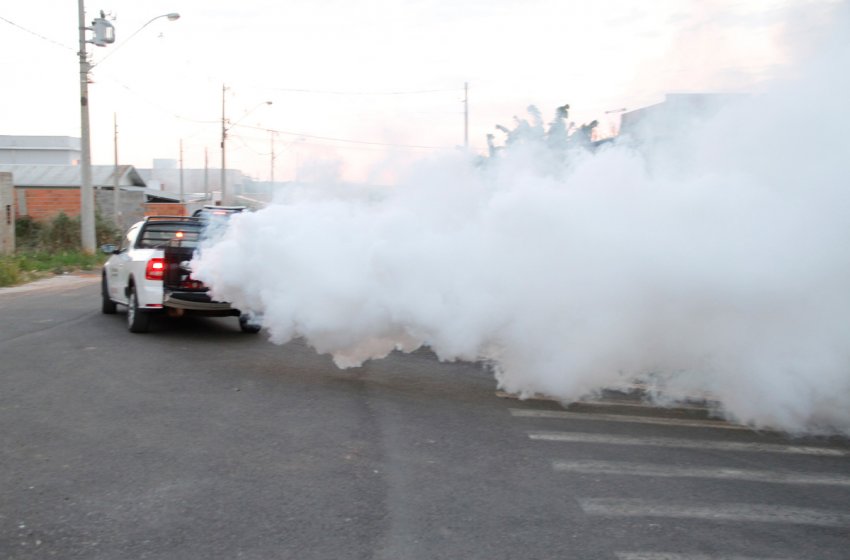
(198, 302)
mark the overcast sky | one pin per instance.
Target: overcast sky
(359, 82)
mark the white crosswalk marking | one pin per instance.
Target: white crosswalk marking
(674, 556)
(646, 469)
(578, 437)
(565, 415)
(831, 454)
(613, 507)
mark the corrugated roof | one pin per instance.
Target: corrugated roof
(35, 175)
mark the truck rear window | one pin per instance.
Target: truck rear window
(158, 235)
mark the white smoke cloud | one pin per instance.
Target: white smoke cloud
(723, 271)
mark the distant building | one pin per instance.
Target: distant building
(668, 119)
(46, 175)
(50, 150)
(194, 184)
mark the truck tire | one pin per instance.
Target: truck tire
(137, 321)
(107, 305)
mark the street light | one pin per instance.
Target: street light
(104, 34)
(174, 16)
(225, 198)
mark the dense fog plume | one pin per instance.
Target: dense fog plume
(715, 264)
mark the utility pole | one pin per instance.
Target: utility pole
(271, 164)
(225, 197)
(466, 115)
(223, 140)
(206, 174)
(181, 171)
(116, 183)
(86, 188)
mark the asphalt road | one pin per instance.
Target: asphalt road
(196, 441)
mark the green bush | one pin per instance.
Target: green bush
(27, 233)
(61, 234)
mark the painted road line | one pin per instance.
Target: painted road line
(577, 437)
(614, 507)
(675, 556)
(719, 473)
(562, 414)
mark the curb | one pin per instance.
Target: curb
(58, 281)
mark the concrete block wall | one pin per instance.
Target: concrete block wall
(131, 205)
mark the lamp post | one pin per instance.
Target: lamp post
(174, 16)
(104, 34)
(225, 197)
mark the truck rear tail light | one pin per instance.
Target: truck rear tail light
(155, 269)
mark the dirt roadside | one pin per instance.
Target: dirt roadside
(59, 281)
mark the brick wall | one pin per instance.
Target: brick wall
(45, 204)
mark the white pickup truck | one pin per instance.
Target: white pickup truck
(149, 274)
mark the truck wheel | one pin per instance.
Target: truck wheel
(107, 305)
(137, 320)
(248, 326)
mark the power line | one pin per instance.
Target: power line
(381, 148)
(248, 146)
(42, 37)
(265, 129)
(346, 140)
(339, 92)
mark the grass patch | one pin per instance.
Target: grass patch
(27, 266)
(10, 274)
(51, 248)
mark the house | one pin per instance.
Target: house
(43, 191)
